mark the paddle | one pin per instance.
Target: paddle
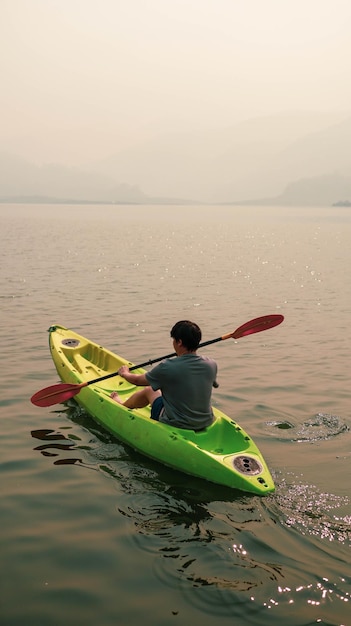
(62, 392)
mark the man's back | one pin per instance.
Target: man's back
(186, 384)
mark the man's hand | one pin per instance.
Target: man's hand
(136, 379)
(123, 371)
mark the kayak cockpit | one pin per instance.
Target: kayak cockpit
(223, 437)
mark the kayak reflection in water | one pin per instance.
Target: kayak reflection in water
(178, 390)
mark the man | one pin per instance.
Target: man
(179, 390)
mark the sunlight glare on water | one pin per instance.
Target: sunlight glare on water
(92, 532)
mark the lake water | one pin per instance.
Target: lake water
(92, 532)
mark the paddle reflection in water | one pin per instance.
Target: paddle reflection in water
(47, 448)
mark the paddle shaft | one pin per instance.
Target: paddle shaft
(262, 323)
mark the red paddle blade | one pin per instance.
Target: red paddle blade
(257, 325)
(56, 394)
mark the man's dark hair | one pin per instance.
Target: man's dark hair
(188, 332)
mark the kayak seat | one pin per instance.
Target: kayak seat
(221, 437)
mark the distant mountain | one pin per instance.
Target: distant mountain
(290, 158)
(323, 155)
(314, 191)
(342, 203)
(23, 181)
(253, 159)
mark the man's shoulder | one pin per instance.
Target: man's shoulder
(208, 359)
(204, 361)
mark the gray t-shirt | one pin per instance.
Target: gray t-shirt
(186, 385)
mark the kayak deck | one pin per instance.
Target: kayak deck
(222, 453)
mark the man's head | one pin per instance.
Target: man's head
(188, 333)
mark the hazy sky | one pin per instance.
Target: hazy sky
(81, 78)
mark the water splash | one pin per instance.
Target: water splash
(321, 426)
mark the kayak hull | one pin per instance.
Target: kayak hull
(222, 453)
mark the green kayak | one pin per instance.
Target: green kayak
(223, 453)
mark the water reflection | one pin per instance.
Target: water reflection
(171, 521)
(228, 552)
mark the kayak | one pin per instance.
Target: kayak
(222, 453)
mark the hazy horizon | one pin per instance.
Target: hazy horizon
(83, 79)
